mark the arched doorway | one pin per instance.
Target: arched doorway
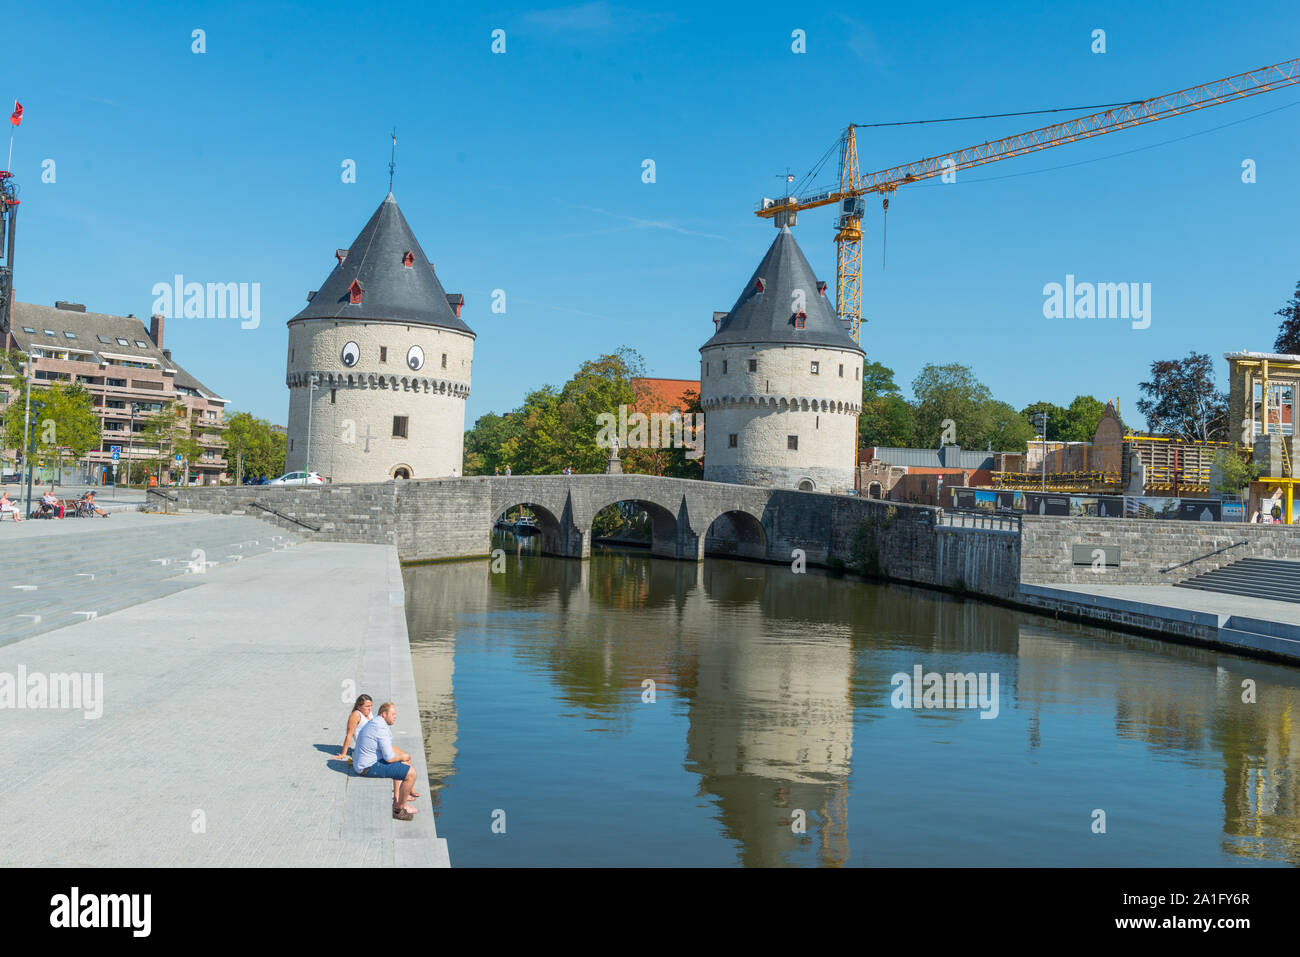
(875, 490)
(400, 472)
(736, 534)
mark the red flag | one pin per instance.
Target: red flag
(16, 116)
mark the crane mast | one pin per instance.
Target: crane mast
(853, 186)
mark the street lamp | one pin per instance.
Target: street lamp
(312, 380)
(1042, 418)
(130, 444)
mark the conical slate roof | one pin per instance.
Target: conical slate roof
(768, 315)
(389, 288)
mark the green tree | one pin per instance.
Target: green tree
(1288, 333)
(1009, 430)
(261, 447)
(1056, 419)
(951, 392)
(62, 417)
(165, 429)
(1182, 400)
(1082, 418)
(886, 417)
(1235, 471)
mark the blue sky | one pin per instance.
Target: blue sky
(522, 171)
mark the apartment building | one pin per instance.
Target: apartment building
(131, 376)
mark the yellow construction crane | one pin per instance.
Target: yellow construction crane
(853, 185)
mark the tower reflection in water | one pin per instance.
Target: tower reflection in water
(772, 674)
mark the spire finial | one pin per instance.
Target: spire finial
(392, 160)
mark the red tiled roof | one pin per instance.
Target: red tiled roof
(663, 395)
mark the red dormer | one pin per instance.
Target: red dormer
(354, 292)
(409, 259)
(821, 287)
(759, 285)
(800, 320)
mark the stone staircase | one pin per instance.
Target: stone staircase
(1272, 578)
(50, 582)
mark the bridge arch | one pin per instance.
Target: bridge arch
(549, 526)
(736, 533)
(664, 528)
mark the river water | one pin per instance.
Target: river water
(632, 711)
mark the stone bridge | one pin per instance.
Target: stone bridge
(454, 518)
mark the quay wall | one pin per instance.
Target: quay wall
(1150, 552)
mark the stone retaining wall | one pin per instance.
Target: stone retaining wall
(1151, 552)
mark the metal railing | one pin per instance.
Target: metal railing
(980, 518)
(1217, 551)
(288, 518)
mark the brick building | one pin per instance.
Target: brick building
(123, 365)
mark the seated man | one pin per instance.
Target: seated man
(51, 504)
(89, 499)
(374, 756)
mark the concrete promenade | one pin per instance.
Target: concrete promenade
(222, 707)
(1239, 623)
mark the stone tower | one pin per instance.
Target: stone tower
(781, 383)
(391, 358)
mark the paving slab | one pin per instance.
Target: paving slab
(222, 708)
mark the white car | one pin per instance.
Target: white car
(298, 478)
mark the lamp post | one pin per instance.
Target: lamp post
(130, 445)
(31, 453)
(311, 390)
(27, 411)
(1042, 418)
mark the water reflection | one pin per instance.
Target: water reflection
(768, 676)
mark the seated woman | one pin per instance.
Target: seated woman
(6, 505)
(356, 721)
(51, 505)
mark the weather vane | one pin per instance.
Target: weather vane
(392, 160)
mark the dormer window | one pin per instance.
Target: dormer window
(760, 285)
(340, 255)
(821, 287)
(409, 259)
(354, 293)
(801, 320)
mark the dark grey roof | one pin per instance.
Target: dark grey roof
(88, 327)
(390, 290)
(768, 316)
(949, 457)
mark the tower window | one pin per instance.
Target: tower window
(816, 368)
(383, 353)
(753, 365)
(409, 259)
(731, 440)
(706, 368)
(792, 443)
(841, 370)
(399, 426)
(333, 395)
(354, 292)
(291, 445)
(724, 366)
(444, 360)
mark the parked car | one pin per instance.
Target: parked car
(298, 478)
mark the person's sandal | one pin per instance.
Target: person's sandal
(401, 814)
